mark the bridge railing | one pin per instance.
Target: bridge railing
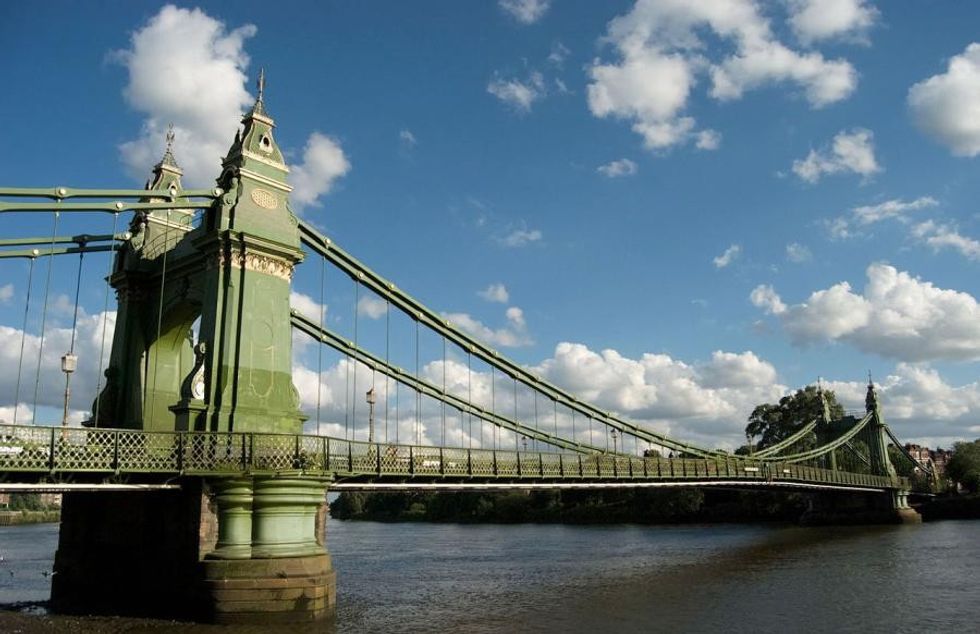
(64, 451)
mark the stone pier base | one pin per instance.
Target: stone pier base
(256, 591)
(202, 553)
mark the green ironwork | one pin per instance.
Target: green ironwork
(54, 452)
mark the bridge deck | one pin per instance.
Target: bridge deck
(55, 454)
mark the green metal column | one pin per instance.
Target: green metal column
(233, 498)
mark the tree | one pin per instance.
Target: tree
(964, 465)
(774, 423)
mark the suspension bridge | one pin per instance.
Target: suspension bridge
(195, 471)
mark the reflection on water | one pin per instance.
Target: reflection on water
(530, 578)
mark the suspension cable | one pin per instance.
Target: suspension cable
(418, 393)
(387, 359)
(443, 442)
(105, 322)
(353, 415)
(493, 403)
(68, 365)
(44, 317)
(156, 342)
(23, 334)
(469, 400)
(319, 349)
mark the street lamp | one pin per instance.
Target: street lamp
(69, 363)
(370, 401)
(614, 436)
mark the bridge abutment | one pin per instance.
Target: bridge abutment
(230, 550)
(846, 508)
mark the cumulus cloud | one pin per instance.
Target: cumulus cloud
(947, 106)
(618, 168)
(525, 11)
(519, 94)
(766, 298)
(813, 20)
(849, 152)
(495, 293)
(896, 316)
(662, 53)
(6, 293)
(520, 238)
(57, 339)
(919, 404)
(796, 252)
(513, 335)
(729, 256)
(323, 163)
(188, 69)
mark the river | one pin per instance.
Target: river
(548, 578)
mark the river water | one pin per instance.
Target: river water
(548, 578)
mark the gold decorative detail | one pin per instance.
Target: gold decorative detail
(254, 262)
(264, 198)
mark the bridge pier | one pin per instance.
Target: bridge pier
(229, 550)
(847, 508)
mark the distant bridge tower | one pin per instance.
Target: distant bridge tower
(229, 548)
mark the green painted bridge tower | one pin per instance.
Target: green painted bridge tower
(202, 342)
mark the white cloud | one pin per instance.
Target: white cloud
(525, 11)
(372, 307)
(919, 405)
(947, 106)
(729, 256)
(6, 293)
(707, 140)
(796, 252)
(896, 316)
(307, 306)
(661, 55)
(559, 53)
(185, 68)
(520, 95)
(520, 238)
(766, 298)
(895, 208)
(618, 168)
(940, 236)
(57, 339)
(495, 293)
(864, 215)
(323, 163)
(407, 138)
(813, 20)
(850, 152)
(511, 336)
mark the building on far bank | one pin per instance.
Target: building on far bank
(938, 458)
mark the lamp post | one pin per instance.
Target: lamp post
(614, 436)
(370, 401)
(69, 363)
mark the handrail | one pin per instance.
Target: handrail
(50, 451)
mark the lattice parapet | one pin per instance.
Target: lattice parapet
(60, 451)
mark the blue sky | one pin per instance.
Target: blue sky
(676, 211)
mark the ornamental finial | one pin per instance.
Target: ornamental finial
(261, 84)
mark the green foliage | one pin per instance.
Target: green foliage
(644, 506)
(964, 465)
(775, 422)
(26, 502)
